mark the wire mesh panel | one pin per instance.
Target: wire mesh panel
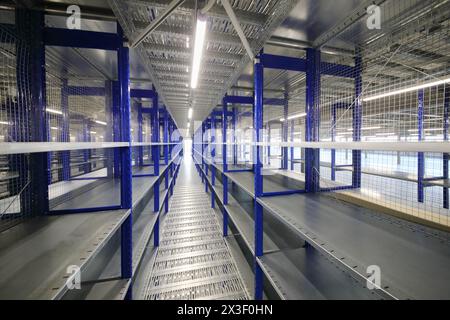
(398, 93)
(15, 117)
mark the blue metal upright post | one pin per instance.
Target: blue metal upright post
(292, 148)
(225, 164)
(140, 121)
(116, 92)
(445, 157)
(333, 139)
(312, 156)
(109, 131)
(420, 155)
(125, 160)
(166, 135)
(86, 138)
(65, 133)
(258, 126)
(155, 149)
(233, 136)
(31, 76)
(357, 122)
(285, 129)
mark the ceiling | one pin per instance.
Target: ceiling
(282, 27)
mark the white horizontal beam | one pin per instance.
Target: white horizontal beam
(427, 147)
(36, 147)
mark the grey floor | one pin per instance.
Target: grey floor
(193, 260)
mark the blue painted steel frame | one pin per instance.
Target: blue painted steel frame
(258, 212)
(65, 130)
(155, 148)
(445, 158)
(29, 25)
(125, 157)
(420, 155)
(312, 156)
(225, 163)
(81, 39)
(357, 122)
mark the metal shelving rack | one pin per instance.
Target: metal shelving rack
(339, 238)
(104, 227)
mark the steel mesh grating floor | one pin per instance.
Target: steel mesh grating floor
(193, 260)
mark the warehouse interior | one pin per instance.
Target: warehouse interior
(224, 149)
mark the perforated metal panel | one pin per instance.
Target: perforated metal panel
(193, 260)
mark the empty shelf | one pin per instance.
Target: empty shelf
(35, 254)
(305, 274)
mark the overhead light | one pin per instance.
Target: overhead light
(189, 124)
(54, 128)
(200, 33)
(190, 113)
(93, 132)
(295, 116)
(429, 129)
(414, 88)
(187, 42)
(53, 111)
(4, 122)
(101, 122)
(366, 128)
(385, 134)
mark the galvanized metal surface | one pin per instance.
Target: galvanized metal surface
(193, 260)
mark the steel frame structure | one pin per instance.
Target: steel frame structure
(30, 27)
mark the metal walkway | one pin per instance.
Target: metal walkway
(193, 260)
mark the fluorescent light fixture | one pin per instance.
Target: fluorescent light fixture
(200, 33)
(190, 113)
(187, 42)
(101, 122)
(429, 129)
(385, 134)
(189, 124)
(4, 122)
(53, 111)
(413, 88)
(93, 132)
(54, 128)
(366, 128)
(295, 116)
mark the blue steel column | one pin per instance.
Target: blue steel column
(125, 157)
(155, 149)
(225, 164)
(333, 139)
(166, 135)
(109, 134)
(65, 134)
(312, 156)
(285, 129)
(116, 126)
(357, 122)
(31, 76)
(140, 121)
(258, 125)
(86, 138)
(445, 157)
(292, 148)
(233, 137)
(420, 155)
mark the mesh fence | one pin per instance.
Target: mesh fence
(15, 117)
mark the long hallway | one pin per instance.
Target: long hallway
(193, 260)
